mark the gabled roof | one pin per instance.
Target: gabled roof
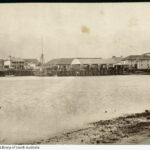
(89, 60)
(112, 60)
(146, 54)
(16, 59)
(60, 61)
(132, 57)
(69, 61)
(34, 61)
(145, 57)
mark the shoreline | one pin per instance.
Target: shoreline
(100, 75)
(128, 129)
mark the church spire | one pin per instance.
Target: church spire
(42, 61)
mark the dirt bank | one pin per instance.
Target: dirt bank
(130, 129)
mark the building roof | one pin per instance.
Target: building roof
(69, 61)
(16, 59)
(146, 54)
(88, 60)
(132, 57)
(62, 61)
(145, 57)
(113, 60)
(34, 61)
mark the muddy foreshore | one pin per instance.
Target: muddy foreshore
(129, 129)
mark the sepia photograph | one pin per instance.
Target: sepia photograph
(74, 73)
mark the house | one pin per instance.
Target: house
(14, 63)
(131, 60)
(85, 63)
(68, 63)
(111, 62)
(60, 63)
(140, 62)
(107, 62)
(82, 63)
(143, 62)
(31, 63)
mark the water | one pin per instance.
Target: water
(35, 108)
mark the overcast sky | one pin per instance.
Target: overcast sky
(74, 30)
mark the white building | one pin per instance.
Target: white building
(143, 62)
(31, 64)
(14, 63)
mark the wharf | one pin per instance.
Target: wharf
(16, 73)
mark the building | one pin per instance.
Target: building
(60, 63)
(139, 62)
(31, 64)
(14, 63)
(95, 62)
(84, 66)
(67, 63)
(131, 60)
(143, 62)
(85, 63)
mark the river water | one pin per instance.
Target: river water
(35, 108)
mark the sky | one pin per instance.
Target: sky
(74, 30)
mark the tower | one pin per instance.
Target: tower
(42, 61)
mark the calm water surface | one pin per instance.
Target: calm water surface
(39, 107)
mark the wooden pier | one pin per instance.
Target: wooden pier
(116, 70)
(16, 73)
(88, 72)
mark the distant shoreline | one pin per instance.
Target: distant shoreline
(129, 129)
